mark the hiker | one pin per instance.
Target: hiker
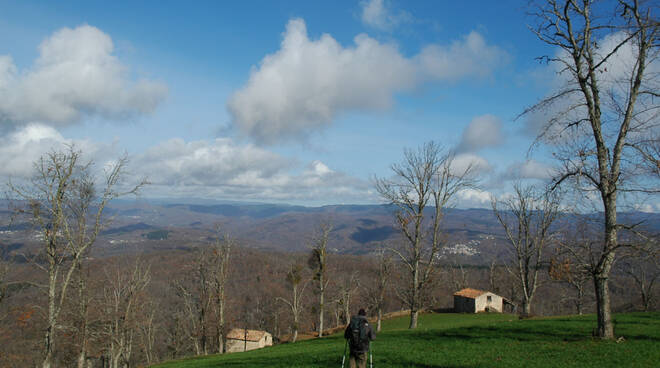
(359, 333)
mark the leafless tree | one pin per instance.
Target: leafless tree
(424, 178)
(599, 119)
(642, 266)
(124, 302)
(526, 218)
(347, 287)
(220, 256)
(295, 280)
(378, 286)
(4, 271)
(147, 332)
(62, 201)
(318, 264)
(195, 292)
(458, 276)
(575, 260)
(83, 300)
(574, 276)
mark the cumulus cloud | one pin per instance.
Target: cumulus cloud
(473, 198)
(483, 131)
(303, 86)
(75, 75)
(529, 169)
(463, 161)
(378, 14)
(469, 56)
(21, 148)
(223, 169)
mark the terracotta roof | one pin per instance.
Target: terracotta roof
(252, 335)
(470, 293)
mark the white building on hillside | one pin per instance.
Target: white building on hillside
(475, 301)
(239, 339)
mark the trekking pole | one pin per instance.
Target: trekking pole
(371, 358)
(343, 357)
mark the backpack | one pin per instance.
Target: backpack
(358, 338)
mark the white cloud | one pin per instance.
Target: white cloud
(462, 161)
(649, 207)
(470, 56)
(20, 149)
(378, 14)
(75, 75)
(483, 131)
(223, 169)
(473, 198)
(303, 86)
(529, 169)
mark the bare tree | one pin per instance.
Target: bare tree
(124, 300)
(642, 266)
(318, 264)
(376, 290)
(526, 220)
(574, 276)
(598, 118)
(147, 332)
(347, 288)
(62, 201)
(195, 292)
(458, 276)
(295, 280)
(220, 256)
(424, 178)
(4, 271)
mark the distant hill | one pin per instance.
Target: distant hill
(473, 235)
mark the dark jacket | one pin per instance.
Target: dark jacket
(363, 346)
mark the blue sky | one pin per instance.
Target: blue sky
(272, 101)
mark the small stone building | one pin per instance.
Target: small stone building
(239, 339)
(475, 301)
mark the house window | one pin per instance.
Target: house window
(489, 299)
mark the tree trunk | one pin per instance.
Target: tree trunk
(380, 317)
(578, 302)
(414, 314)
(605, 326)
(52, 318)
(321, 305)
(526, 307)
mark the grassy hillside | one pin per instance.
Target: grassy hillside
(462, 340)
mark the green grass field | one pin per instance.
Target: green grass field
(465, 340)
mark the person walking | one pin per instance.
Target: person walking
(359, 334)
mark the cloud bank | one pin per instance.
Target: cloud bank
(223, 169)
(75, 75)
(303, 86)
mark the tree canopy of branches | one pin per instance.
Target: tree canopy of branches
(295, 280)
(376, 289)
(603, 116)
(526, 220)
(63, 203)
(424, 179)
(220, 257)
(317, 262)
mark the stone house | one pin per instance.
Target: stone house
(475, 301)
(239, 339)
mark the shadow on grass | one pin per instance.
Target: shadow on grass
(559, 330)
